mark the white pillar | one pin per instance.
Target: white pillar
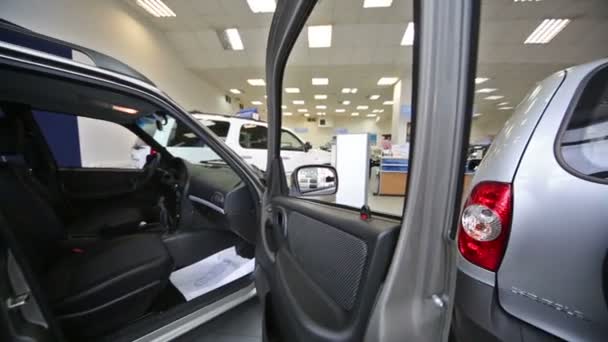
(402, 102)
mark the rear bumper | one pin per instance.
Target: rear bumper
(479, 317)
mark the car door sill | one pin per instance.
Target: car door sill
(199, 317)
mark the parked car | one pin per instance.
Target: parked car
(533, 239)
(247, 137)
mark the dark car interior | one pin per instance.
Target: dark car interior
(102, 243)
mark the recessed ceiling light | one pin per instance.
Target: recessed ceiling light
(345, 102)
(349, 90)
(387, 81)
(302, 110)
(486, 90)
(377, 119)
(505, 108)
(371, 115)
(298, 102)
(157, 8)
(306, 115)
(362, 107)
(376, 3)
(408, 35)
(321, 107)
(256, 82)
(321, 113)
(319, 36)
(503, 104)
(480, 80)
(378, 111)
(257, 103)
(292, 90)
(387, 103)
(374, 97)
(546, 31)
(320, 81)
(287, 113)
(262, 6)
(236, 91)
(475, 115)
(320, 97)
(340, 110)
(353, 90)
(265, 96)
(354, 114)
(231, 39)
(493, 97)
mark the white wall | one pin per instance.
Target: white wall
(108, 27)
(320, 135)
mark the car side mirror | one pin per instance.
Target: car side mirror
(314, 180)
(307, 146)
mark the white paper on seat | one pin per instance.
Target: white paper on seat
(211, 273)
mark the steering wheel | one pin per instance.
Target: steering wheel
(152, 164)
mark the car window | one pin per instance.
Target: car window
(253, 136)
(584, 142)
(88, 146)
(182, 136)
(219, 128)
(289, 142)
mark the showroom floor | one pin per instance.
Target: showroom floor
(241, 324)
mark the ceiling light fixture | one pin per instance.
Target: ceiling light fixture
(256, 82)
(354, 114)
(371, 115)
(320, 97)
(386, 81)
(345, 102)
(231, 39)
(292, 90)
(408, 35)
(362, 107)
(486, 90)
(257, 103)
(302, 110)
(320, 81)
(236, 91)
(306, 115)
(349, 90)
(287, 113)
(493, 97)
(321, 107)
(319, 36)
(262, 6)
(378, 111)
(340, 110)
(476, 115)
(505, 108)
(298, 102)
(480, 80)
(374, 97)
(387, 103)
(157, 8)
(377, 3)
(321, 113)
(503, 104)
(546, 31)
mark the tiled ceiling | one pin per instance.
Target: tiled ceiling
(366, 46)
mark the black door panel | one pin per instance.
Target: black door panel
(328, 267)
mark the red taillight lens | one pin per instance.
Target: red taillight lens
(485, 223)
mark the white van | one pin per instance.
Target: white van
(247, 137)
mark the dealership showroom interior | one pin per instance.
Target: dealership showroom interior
(303, 170)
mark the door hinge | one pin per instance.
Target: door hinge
(17, 301)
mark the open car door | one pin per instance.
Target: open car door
(325, 273)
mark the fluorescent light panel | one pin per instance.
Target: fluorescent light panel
(319, 36)
(306, 115)
(262, 6)
(256, 82)
(503, 104)
(371, 115)
(354, 114)
(480, 80)
(505, 108)
(374, 97)
(298, 102)
(287, 113)
(302, 110)
(292, 90)
(387, 103)
(546, 31)
(320, 81)
(377, 3)
(321, 113)
(486, 90)
(362, 107)
(257, 103)
(284, 107)
(321, 107)
(408, 35)
(349, 90)
(493, 97)
(340, 110)
(475, 115)
(157, 8)
(234, 39)
(320, 97)
(236, 91)
(345, 102)
(385, 81)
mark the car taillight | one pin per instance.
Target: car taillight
(485, 223)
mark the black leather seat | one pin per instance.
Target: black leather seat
(93, 289)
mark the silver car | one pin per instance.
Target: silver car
(533, 235)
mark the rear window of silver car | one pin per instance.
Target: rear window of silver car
(584, 142)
